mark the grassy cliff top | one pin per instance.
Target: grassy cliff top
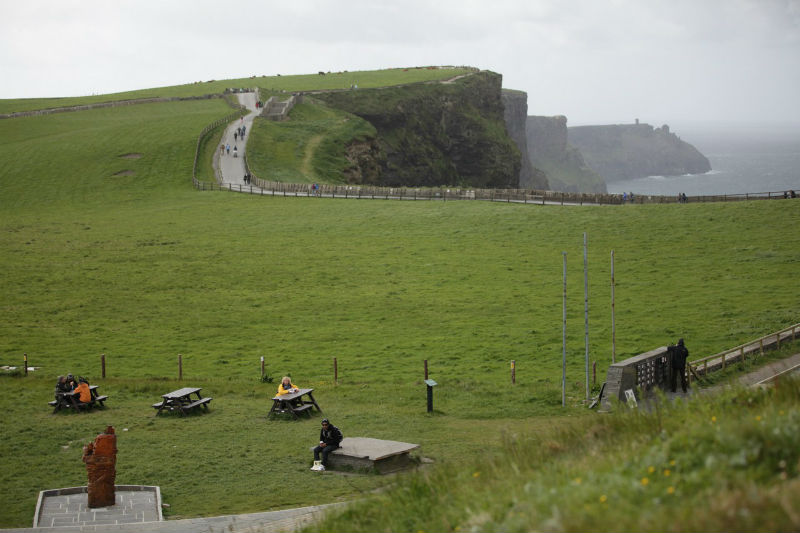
(303, 82)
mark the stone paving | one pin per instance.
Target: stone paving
(69, 507)
(288, 520)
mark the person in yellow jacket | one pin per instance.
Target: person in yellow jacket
(84, 393)
(286, 386)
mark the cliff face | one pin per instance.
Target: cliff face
(515, 105)
(549, 150)
(628, 151)
(436, 134)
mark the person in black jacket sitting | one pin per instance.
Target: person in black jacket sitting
(329, 439)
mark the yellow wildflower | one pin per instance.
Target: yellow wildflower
(651, 469)
(476, 474)
(577, 480)
(671, 490)
(672, 463)
(713, 419)
(603, 498)
(667, 472)
(645, 481)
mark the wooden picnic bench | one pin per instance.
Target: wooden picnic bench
(181, 400)
(294, 403)
(70, 400)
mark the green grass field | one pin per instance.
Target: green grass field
(141, 267)
(275, 84)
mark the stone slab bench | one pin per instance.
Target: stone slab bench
(364, 453)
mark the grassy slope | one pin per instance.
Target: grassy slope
(143, 268)
(305, 82)
(307, 148)
(727, 463)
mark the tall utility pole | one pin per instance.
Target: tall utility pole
(613, 321)
(586, 311)
(564, 338)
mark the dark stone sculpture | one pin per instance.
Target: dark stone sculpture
(100, 457)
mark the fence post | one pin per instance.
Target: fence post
(426, 369)
(25, 362)
(262, 367)
(103, 365)
(513, 372)
(180, 367)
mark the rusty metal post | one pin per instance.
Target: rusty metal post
(103, 365)
(426, 369)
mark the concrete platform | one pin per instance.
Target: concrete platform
(69, 507)
(364, 453)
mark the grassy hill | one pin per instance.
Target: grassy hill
(275, 84)
(139, 266)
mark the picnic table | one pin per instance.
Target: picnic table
(294, 403)
(181, 400)
(71, 400)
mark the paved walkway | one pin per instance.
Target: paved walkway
(232, 169)
(288, 520)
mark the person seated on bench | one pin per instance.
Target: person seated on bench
(71, 383)
(286, 386)
(61, 387)
(85, 394)
(329, 440)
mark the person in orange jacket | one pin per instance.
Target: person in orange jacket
(84, 393)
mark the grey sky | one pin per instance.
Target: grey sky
(593, 61)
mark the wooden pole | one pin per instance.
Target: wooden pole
(426, 369)
(613, 320)
(262, 367)
(586, 311)
(25, 362)
(103, 365)
(180, 367)
(594, 373)
(564, 338)
(513, 372)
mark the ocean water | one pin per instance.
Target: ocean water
(744, 159)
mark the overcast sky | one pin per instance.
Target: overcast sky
(594, 61)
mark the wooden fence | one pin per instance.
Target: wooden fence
(524, 196)
(721, 360)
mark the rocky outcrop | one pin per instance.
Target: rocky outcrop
(437, 134)
(627, 151)
(549, 150)
(515, 104)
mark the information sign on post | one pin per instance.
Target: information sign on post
(430, 384)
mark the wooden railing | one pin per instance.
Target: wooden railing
(652, 369)
(721, 360)
(522, 196)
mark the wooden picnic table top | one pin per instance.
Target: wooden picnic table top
(293, 395)
(180, 393)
